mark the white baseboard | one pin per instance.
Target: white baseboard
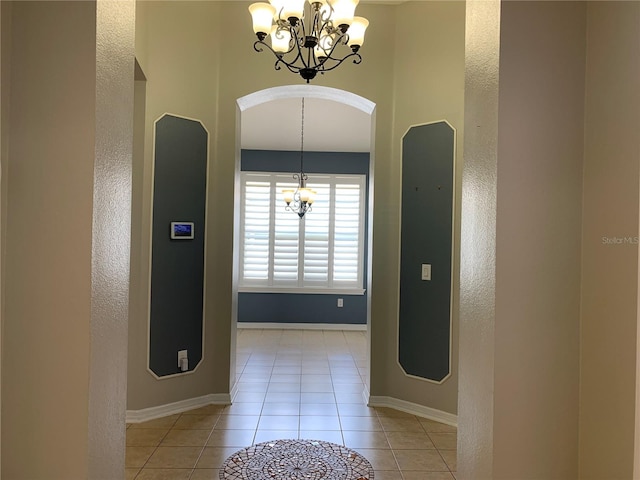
(151, 413)
(234, 390)
(414, 409)
(138, 416)
(302, 326)
(366, 395)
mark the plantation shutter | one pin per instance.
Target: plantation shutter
(323, 251)
(347, 236)
(286, 238)
(255, 205)
(316, 235)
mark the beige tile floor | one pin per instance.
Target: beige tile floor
(293, 384)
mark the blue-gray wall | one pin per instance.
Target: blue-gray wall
(426, 236)
(301, 308)
(298, 307)
(177, 266)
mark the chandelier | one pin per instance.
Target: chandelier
(313, 46)
(300, 200)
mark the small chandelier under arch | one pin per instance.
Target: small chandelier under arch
(311, 41)
(299, 201)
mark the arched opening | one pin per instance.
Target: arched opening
(365, 108)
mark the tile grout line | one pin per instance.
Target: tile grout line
(156, 447)
(205, 445)
(393, 451)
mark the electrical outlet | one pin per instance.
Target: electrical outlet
(340, 303)
(183, 360)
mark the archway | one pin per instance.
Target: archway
(292, 92)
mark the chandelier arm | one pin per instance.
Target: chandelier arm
(327, 26)
(323, 30)
(291, 30)
(257, 48)
(292, 68)
(302, 28)
(327, 14)
(264, 44)
(299, 208)
(338, 41)
(315, 24)
(279, 12)
(299, 37)
(279, 57)
(317, 28)
(320, 65)
(259, 44)
(357, 59)
(291, 65)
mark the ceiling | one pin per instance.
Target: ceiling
(328, 126)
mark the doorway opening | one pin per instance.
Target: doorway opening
(334, 101)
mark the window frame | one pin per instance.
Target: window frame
(330, 286)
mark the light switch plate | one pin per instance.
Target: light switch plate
(426, 271)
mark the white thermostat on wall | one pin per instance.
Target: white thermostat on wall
(182, 230)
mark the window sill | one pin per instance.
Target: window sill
(308, 291)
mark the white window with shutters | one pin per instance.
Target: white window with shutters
(321, 253)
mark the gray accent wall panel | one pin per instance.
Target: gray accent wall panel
(426, 238)
(177, 266)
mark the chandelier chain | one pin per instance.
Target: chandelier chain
(302, 138)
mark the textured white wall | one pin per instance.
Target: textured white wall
(48, 272)
(66, 226)
(115, 30)
(539, 226)
(478, 242)
(610, 270)
(521, 234)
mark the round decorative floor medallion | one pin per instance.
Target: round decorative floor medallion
(296, 460)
